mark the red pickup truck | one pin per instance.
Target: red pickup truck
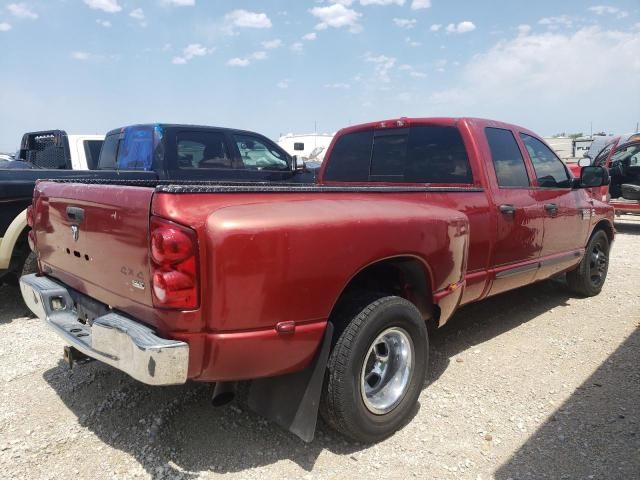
(320, 294)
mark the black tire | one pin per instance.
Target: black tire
(588, 278)
(30, 264)
(359, 322)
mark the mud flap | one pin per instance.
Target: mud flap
(292, 401)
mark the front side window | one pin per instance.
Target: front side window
(550, 171)
(202, 150)
(601, 159)
(257, 154)
(508, 162)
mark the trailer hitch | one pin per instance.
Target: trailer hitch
(72, 356)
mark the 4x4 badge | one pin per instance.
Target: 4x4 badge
(75, 232)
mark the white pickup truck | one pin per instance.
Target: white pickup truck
(44, 154)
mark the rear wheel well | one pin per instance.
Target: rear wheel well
(405, 277)
(19, 254)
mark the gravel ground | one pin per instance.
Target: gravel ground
(530, 384)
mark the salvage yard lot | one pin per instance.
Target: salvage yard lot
(530, 384)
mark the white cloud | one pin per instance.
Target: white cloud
(338, 86)
(412, 43)
(284, 84)
(435, 27)
(245, 62)
(245, 19)
(420, 4)
(5, 27)
(524, 29)
(337, 16)
(553, 22)
(310, 36)
(271, 44)
(608, 10)
(104, 23)
(297, 47)
(405, 22)
(259, 55)
(462, 27)
(412, 71)
(82, 56)
(21, 10)
(190, 51)
(109, 6)
(383, 66)
(137, 13)
(538, 72)
(179, 3)
(382, 2)
(238, 62)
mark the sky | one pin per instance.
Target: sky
(275, 66)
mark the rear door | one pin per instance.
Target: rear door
(520, 218)
(567, 211)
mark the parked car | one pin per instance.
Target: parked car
(621, 157)
(320, 294)
(137, 152)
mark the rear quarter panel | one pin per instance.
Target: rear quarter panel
(266, 261)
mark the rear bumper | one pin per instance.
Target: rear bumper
(113, 339)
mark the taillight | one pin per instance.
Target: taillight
(174, 265)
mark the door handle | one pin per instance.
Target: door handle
(507, 209)
(551, 207)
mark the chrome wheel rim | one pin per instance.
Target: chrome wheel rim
(386, 370)
(598, 263)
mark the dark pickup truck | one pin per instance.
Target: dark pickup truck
(318, 293)
(139, 152)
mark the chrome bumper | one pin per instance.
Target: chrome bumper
(113, 339)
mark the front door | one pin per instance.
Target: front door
(567, 211)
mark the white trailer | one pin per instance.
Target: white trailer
(310, 146)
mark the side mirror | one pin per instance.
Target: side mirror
(297, 164)
(593, 177)
(584, 162)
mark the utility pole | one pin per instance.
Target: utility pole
(591, 127)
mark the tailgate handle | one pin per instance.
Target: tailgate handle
(75, 214)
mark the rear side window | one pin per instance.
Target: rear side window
(202, 150)
(298, 146)
(128, 150)
(92, 152)
(350, 158)
(550, 171)
(507, 158)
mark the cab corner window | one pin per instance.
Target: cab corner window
(350, 158)
(550, 171)
(508, 162)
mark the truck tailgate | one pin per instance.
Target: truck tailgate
(94, 238)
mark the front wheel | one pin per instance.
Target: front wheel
(588, 278)
(376, 369)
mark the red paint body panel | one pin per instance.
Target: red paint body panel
(272, 257)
